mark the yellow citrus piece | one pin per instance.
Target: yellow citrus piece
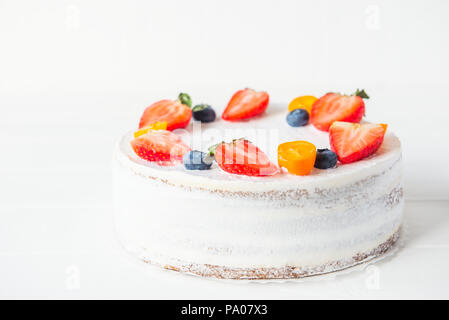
(154, 126)
(303, 102)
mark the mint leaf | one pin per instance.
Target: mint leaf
(185, 99)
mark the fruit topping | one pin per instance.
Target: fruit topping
(336, 107)
(197, 160)
(303, 102)
(242, 157)
(298, 157)
(298, 118)
(176, 113)
(245, 104)
(355, 141)
(325, 159)
(155, 126)
(203, 113)
(161, 146)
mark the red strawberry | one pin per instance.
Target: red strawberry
(355, 141)
(162, 146)
(245, 104)
(336, 107)
(176, 114)
(242, 157)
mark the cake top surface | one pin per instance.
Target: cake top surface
(266, 131)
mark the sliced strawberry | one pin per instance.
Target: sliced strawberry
(245, 104)
(161, 146)
(336, 107)
(176, 114)
(355, 141)
(242, 157)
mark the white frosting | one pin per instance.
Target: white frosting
(267, 132)
(168, 213)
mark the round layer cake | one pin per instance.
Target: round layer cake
(215, 224)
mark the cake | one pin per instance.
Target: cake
(217, 224)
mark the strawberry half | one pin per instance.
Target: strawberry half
(176, 114)
(354, 141)
(336, 107)
(245, 104)
(242, 157)
(160, 146)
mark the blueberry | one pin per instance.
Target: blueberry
(298, 118)
(325, 159)
(197, 160)
(203, 113)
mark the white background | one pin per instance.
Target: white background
(74, 75)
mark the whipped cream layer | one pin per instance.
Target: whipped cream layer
(178, 218)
